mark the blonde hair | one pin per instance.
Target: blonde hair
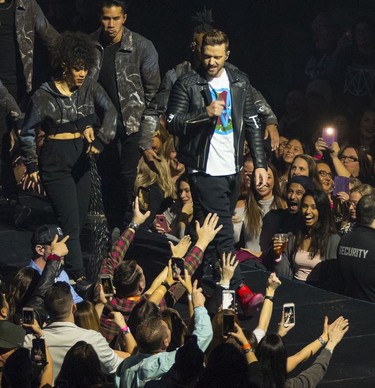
(146, 177)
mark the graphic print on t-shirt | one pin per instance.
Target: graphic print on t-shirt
(221, 156)
(224, 121)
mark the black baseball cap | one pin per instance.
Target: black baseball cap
(45, 234)
(11, 335)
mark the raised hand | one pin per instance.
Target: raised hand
(187, 284)
(138, 217)
(207, 232)
(197, 295)
(59, 248)
(229, 264)
(180, 249)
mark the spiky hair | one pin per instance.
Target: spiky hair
(202, 21)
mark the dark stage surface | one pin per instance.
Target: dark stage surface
(353, 362)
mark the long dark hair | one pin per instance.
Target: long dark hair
(365, 165)
(19, 289)
(322, 230)
(81, 368)
(271, 354)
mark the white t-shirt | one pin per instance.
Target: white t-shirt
(221, 155)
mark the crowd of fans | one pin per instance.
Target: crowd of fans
(312, 221)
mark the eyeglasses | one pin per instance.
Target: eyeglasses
(351, 203)
(325, 173)
(348, 158)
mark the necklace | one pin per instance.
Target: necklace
(9, 6)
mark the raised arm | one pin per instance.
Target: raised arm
(273, 283)
(119, 249)
(310, 349)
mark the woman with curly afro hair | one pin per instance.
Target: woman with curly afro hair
(65, 110)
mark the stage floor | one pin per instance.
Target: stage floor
(353, 362)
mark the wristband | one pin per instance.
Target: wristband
(125, 329)
(189, 297)
(269, 297)
(166, 285)
(53, 256)
(133, 226)
(248, 351)
(246, 346)
(321, 340)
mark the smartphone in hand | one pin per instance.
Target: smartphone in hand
(28, 315)
(289, 311)
(38, 351)
(107, 283)
(143, 197)
(229, 300)
(162, 221)
(228, 324)
(329, 135)
(178, 268)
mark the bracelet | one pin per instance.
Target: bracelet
(53, 256)
(166, 285)
(125, 329)
(321, 340)
(248, 350)
(189, 297)
(246, 346)
(133, 226)
(269, 297)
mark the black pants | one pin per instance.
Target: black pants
(118, 169)
(65, 172)
(217, 194)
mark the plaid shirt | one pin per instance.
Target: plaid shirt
(125, 305)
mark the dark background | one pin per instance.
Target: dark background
(269, 39)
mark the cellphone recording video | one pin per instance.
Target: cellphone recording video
(38, 351)
(107, 284)
(329, 135)
(228, 324)
(143, 197)
(289, 311)
(178, 267)
(229, 300)
(28, 315)
(162, 221)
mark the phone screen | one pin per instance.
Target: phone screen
(178, 267)
(289, 314)
(107, 285)
(38, 351)
(341, 183)
(229, 300)
(329, 135)
(143, 197)
(162, 221)
(27, 315)
(228, 324)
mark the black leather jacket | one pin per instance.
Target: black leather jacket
(189, 122)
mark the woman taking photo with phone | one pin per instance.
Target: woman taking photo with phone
(65, 110)
(314, 244)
